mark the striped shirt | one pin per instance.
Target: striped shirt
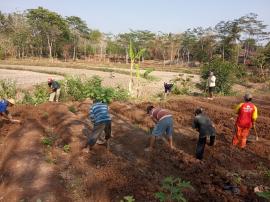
(159, 114)
(99, 113)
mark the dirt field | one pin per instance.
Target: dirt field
(31, 171)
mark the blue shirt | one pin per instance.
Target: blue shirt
(3, 106)
(99, 113)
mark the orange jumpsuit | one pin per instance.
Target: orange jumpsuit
(247, 115)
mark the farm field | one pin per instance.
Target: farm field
(31, 170)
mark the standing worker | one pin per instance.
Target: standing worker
(100, 117)
(167, 88)
(205, 127)
(55, 90)
(247, 116)
(164, 123)
(4, 112)
(211, 83)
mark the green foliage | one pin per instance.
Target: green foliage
(181, 86)
(48, 141)
(40, 95)
(80, 89)
(66, 148)
(172, 189)
(265, 195)
(128, 199)
(147, 72)
(72, 109)
(224, 72)
(7, 88)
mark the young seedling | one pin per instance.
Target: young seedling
(172, 190)
(128, 199)
(66, 148)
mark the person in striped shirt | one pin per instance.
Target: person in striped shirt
(164, 124)
(100, 117)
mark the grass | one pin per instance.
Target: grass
(66, 148)
(72, 109)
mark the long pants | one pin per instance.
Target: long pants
(97, 131)
(54, 96)
(201, 144)
(240, 137)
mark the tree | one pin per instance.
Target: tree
(49, 25)
(78, 29)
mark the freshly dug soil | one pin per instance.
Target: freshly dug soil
(42, 158)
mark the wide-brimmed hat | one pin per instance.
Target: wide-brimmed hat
(11, 101)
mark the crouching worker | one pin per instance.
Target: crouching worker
(167, 88)
(247, 116)
(100, 117)
(164, 124)
(205, 127)
(55, 90)
(4, 112)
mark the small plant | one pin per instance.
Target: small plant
(265, 195)
(45, 115)
(47, 141)
(172, 189)
(66, 148)
(72, 109)
(128, 199)
(147, 72)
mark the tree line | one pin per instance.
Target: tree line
(43, 33)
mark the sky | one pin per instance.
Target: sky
(118, 16)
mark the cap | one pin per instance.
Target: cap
(248, 96)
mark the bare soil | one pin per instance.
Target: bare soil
(31, 170)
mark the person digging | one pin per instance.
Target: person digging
(101, 119)
(205, 127)
(55, 90)
(247, 116)
(167, 88)
(164, 124)
(4, 112)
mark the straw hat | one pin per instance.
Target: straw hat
(11, 101)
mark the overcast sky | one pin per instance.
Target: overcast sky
(155, 15)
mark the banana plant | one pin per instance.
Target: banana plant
(134, 56)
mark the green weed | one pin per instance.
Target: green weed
(72, 109)
(47, 141)
(66, 148)
(172, 190)
(7, 88)
(128, 199)
(265, 195)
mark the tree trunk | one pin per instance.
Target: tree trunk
(188, 57)
(223, 53)
(50, 47)
(126, 56)
(74, 52)
(130, 85)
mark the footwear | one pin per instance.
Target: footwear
(101, 142)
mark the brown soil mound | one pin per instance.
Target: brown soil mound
(42, 159)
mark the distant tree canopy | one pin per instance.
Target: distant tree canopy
(42, 33)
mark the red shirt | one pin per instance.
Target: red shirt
(245, 115)
(159, 114)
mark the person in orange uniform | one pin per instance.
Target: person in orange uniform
(247, 115)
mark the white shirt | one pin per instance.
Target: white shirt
(212, 81)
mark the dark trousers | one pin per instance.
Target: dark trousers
(97, 131)
(201, 144)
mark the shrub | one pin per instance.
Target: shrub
(47, 141)
(147, 72)
(7, 88)
(225, 73)
(40, 95)
(172, 189)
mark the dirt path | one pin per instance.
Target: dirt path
(26, 79)
(149, 87)
(30, 170)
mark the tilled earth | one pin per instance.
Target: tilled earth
(30, 170)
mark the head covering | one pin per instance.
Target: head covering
(211, 73)
(198, 111)
(11, 101)
(248, 97)
(50, 80)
